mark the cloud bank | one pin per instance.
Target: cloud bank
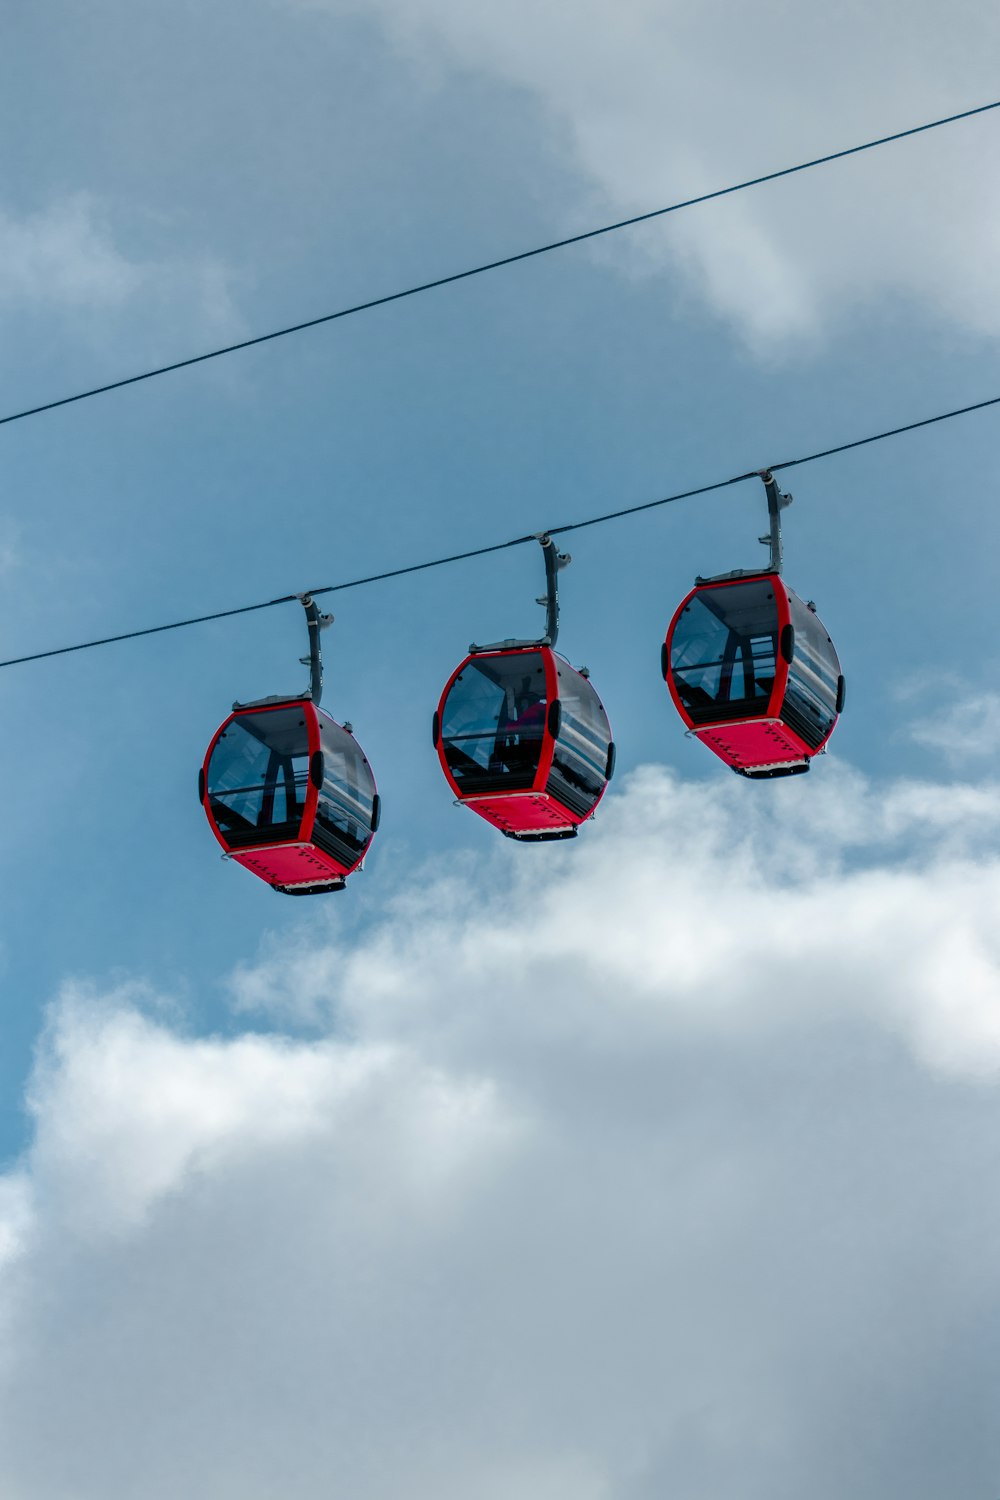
(653, 101)
(661, 1164)
(67, 258)
(966, 726)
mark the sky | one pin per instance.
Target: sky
(659, 1163)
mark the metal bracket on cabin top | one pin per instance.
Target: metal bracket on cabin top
(314, 661)
(776, 503)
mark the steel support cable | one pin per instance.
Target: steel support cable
(517, 541)
(247, 609)
(495, 265)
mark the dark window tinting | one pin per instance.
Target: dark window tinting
(257, 777)
(580, 757)
(343, 824)
(810, 705)
(494, 721)
(722, 655)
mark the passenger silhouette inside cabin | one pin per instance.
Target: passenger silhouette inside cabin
(520, 729)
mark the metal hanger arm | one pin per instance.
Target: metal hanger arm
(554, 561)
(315, 622)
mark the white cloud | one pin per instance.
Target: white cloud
(834, 877)
(654, 101)
(199, 1107)
(15, 1216)
(64, 254)
(650, 1165)
(65, 258)
(966, 725)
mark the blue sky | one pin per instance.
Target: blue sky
(184, 176)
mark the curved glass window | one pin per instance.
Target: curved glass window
(258, 776)
(810, 706)
(493, 722)
(343, 825)
(723, 651)
(580, 757)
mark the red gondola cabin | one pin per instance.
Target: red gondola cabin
(288, 791)
(524, 741)
(753, 674)
(290, 795)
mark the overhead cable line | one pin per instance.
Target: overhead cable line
(517, 541)
(494, 265)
